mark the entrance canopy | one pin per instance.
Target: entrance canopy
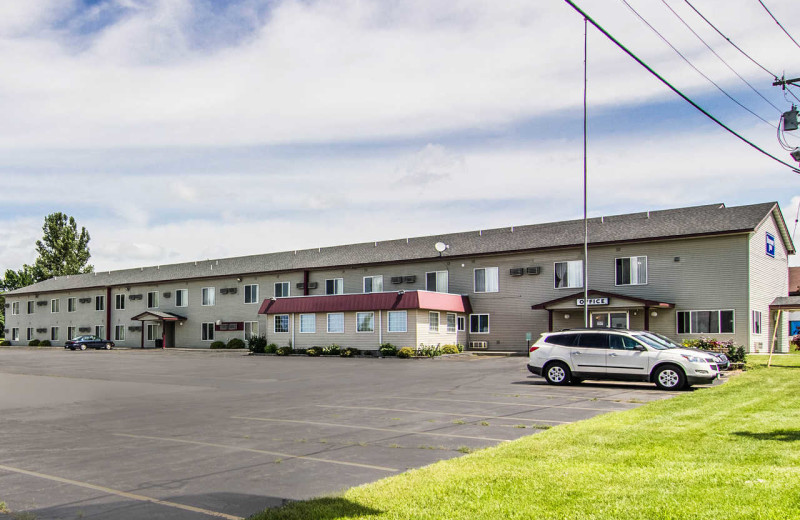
(785, 303)
(157, 316)
(599, 300)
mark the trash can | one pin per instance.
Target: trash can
(159, 343)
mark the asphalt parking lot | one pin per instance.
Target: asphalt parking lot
(129, 434)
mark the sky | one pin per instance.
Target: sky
(178, 130)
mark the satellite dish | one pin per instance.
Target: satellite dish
(441, 246)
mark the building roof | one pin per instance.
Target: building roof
(157, 316)
(794, 281)
(602, 294)
(713, 219)
(382, 301)
(786, 303)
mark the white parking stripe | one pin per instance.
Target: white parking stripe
(253, 450)
(391, 430)
(504, 404)
(117, 492)
(512, 418)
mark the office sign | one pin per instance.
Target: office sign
(593, 301)
(770, 246)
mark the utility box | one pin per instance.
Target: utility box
(790, 120)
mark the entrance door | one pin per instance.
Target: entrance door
(169, 334)
(610, 320)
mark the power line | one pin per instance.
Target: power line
(674, 89)
(796, 218)
(779, 23)
(692, 64)
(718, 56)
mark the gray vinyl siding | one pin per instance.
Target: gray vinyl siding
(768, 278)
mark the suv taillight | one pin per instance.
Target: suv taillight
(535, 347)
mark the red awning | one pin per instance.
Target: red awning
(369, 302)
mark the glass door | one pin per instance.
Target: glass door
(609, 320)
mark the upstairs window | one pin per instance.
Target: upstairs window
(152, 300)
(282, 289)
(119, 302)
(251, 293)
(55, 305)
(15, 308)
(436, 281)
(182, 298)
(373, 284)
(569, 274)
(631, 271)
(31, 306)
(487, 279)
(207, 296)
(334, 286)
(71, 304)
(99, 303)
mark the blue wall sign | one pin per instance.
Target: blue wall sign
(794, 328)
(770, 245)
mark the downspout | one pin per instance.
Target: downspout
(293, 345)
(141, 333)
(380, 327)
(108, 313)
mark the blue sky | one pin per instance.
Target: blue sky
(177, 130)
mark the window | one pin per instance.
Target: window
(462, 323)
(705, 322)
(119, 333)
(336, 322)
(617, 342)
(71, 304)
(70, 332)
(31, 306)
(486, 279)
(182, 297)
(592, 341)
(756, 322)
(373, 284)
(99, 303)
(251, 293)
(153, 334)
(100, 331)
(55, 305)
(451, 323)
(250, 330)
(631, 271)
(53, 333)
(15, 308)
(614, 320)
(398, 321)
(15, 334)
(308, 323)
(119, 302)
(207, 296)
(436, 281)
(206, 332)
(433, 321)
(569, 274)
(334, 286)
(365, 322)
(29, 333)
(152, 300)
(281, 323)
(479, 323)
(281, 289)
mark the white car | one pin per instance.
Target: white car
(570, 356)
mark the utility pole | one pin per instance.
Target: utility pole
(783, 82)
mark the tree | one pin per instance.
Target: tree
(62, 250)
(17, 279)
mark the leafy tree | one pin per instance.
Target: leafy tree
(62, 250)
(17, 279)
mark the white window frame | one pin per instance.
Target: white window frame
(14, 308)
(119, 332)
(208, 296)
(757, 322)
(488, 323)
(72, 304)
(461, 323)
(608, 314)
(282, 284)
(446, 283)
(119, 302)
(719, 321)
(100, 331)
(185, 297)
(100, 303)
(431, 327)
(14, 333)
(154, 295)
(328, 323)
(71, 332)
(253, 326)
(207, 331)
(451, 329)
(253, 297)
(303, 323)
(338, 286)
(568, 286)
(358, 323)
(30, 333)
(389, 322)
(486, 285)
(275, 323)
(31, 306)
(373, 279)
(634, 260)
(55, 305)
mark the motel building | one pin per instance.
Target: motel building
(704, 271)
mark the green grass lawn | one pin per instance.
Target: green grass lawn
(729, 452)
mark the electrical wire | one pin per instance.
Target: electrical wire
(719, 57)
(775, 76)
(634, 11)
(796, 218)
(779, 23)
(674, 89)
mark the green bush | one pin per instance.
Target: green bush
(450, 349)
(405, 352)
(5, 343)
(284, 351)
(314, 352)
(257, 344)
(349, 352)
(429, 350)
(33, 343)
(45, 343)
(236, 343)
(795, 342)
(331, 350)
(272, 348)
(217, 345)
(387, 349)
(735, 353)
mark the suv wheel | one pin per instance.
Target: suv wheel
(669, 377)
(557, 373)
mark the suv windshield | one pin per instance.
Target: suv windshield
(651, 341)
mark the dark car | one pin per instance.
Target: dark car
(84, 342)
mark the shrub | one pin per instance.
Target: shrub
(387, 349)
(284, 351)
(331, 350)
(450, 349)
(314, 352)
(405, 352)
(33, 343)
(257, 344)
(735, 353)
(236, 343)
(272, 348)
(349, 352)
(5, 343)
(428, 350)
(795, 342)
(217, 345)
(45, 343)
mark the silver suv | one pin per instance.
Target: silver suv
(570, 356)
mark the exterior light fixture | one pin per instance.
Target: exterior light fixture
(654, 314)
(566, 316)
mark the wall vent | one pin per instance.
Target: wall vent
(479, 344)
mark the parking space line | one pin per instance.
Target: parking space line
(511, 418)
(284, 456)
(117, 492)
(391, 430)
(504, 404)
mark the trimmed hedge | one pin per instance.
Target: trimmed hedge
(236, 343)
(387, 349)
(405, 352)
(218, 345)
(45, 343)
(5, 343)
(284, 351)
(33, 343)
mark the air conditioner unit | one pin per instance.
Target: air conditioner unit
(478, 344)
(223, 291)
(410, 279)
(41, 304)
(313, 285)
(533, 270)
(167, 294)
(397, 279)
(516, 271)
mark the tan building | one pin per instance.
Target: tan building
(705, 271)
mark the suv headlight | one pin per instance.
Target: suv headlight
(694, 359)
